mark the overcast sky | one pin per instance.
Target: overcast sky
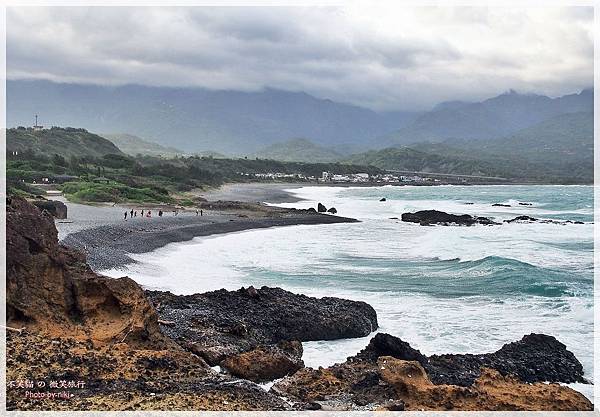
(382, 57)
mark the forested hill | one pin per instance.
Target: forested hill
(65, 142)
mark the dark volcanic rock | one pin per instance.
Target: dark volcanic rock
(332, 210)
(525, 204)
(383, 199)
(535, 358)
(321, 208)
(390, 375)
(383, 344)
(500, 205)
(58, 209)
(429, 217)
(223, 323)
(522, 219)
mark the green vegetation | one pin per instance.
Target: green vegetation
(557, 150)
(407, 159)
(122, 178)
(65, 142)
(113, 192)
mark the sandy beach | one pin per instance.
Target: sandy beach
(103, 234)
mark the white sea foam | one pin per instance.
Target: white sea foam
(391, 265)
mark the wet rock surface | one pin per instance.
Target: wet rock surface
(222, 323)
(431, 217)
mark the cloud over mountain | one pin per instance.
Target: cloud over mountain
(375, 55)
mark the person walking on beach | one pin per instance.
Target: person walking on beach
(200, 212)
(196, 212)
(135, 213)
(149, 214)
(125, 218)
(160, 213)
(131, 214)
(142, 213)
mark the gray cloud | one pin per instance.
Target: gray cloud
(382, 56)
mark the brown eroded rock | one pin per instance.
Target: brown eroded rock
(50, 288)
(491, 391)
(78, 326)
(266, 363)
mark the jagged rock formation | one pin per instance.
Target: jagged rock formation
(67, 323)
(51, 288)
(534, 358)
(390, 375)
(222, 323)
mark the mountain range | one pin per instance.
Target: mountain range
(195, 119)
(513, 135)
(496, 117)
(559, 149)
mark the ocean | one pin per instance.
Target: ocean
(443, 289)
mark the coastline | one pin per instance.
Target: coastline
(107, 245)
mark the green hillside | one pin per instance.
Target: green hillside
(559, 149)
(298, 150)
(66, 142)
(134, 145)
(407, 159)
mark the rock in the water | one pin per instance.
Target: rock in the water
(525, 204)
(332, 210)
(209, 324)
(522, 219)
(266, 363)
(500, 205)
(383, 199)
(58, 209)
(321, 208)
(430, 217)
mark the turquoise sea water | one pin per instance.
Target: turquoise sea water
(442, 289)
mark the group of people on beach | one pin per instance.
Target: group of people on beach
(148, 213)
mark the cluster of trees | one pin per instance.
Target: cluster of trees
(149, 179)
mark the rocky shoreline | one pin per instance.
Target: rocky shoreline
(149, 350)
